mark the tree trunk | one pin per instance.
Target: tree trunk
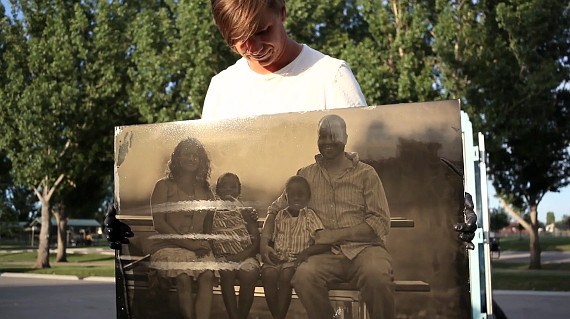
(61, 218)
(42, 260)
(535, 249)
(44, 197)
(532, 229)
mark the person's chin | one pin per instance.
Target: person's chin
(296, 207)
(265, 60)
(329, 153)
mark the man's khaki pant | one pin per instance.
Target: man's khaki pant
(371, 271)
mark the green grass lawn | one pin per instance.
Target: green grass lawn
(524, 266)
(72, 270)
(100, 243)
(506, 276)
(517, 276)
(547, 243)
(81, 265)
(71, 258)
(544, 281)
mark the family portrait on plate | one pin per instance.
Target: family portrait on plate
(322, 214)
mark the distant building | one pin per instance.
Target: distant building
(557, 229)
(511, 230)
(79, 231)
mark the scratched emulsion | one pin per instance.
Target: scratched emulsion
(124, 144)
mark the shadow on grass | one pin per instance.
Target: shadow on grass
(524, 266)
(71, 258)
(16, 253)
(91, 258)
(524, 281)
(16, 269)
(74, 270)
(548, 243)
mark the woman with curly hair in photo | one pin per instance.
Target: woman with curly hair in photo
(179, 253)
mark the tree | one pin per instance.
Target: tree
(564, 223)
(39, 59)
(387, 44)
(550, 218)
(174, 53)
(73, 71)
(499, 219)
(509, 60)
(17, 203)
(65, 94)
(103, 81)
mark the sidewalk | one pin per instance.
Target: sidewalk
(523, 304)
(57, 277)
(515, 304)
(69, 250)
(546, 257)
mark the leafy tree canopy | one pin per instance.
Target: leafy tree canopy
(72, 71)
(499, 219)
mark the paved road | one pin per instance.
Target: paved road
(32, 298)
(36, 297)
(533, 304)
(57, 298)
(524, 257)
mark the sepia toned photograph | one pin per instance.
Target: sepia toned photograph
(344, 213)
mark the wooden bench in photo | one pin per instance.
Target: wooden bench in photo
(339, 294)
(135, 268)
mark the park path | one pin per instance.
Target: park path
(524, 256)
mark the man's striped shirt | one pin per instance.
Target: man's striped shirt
(356, 196)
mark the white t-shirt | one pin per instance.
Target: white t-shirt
(313, 81)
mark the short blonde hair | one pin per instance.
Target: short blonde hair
(238, 20)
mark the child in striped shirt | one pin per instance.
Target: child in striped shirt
(292, 237)
(236, 247)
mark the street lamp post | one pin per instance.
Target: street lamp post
(33, 231)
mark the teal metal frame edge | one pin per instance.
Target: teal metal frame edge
(475, 183)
